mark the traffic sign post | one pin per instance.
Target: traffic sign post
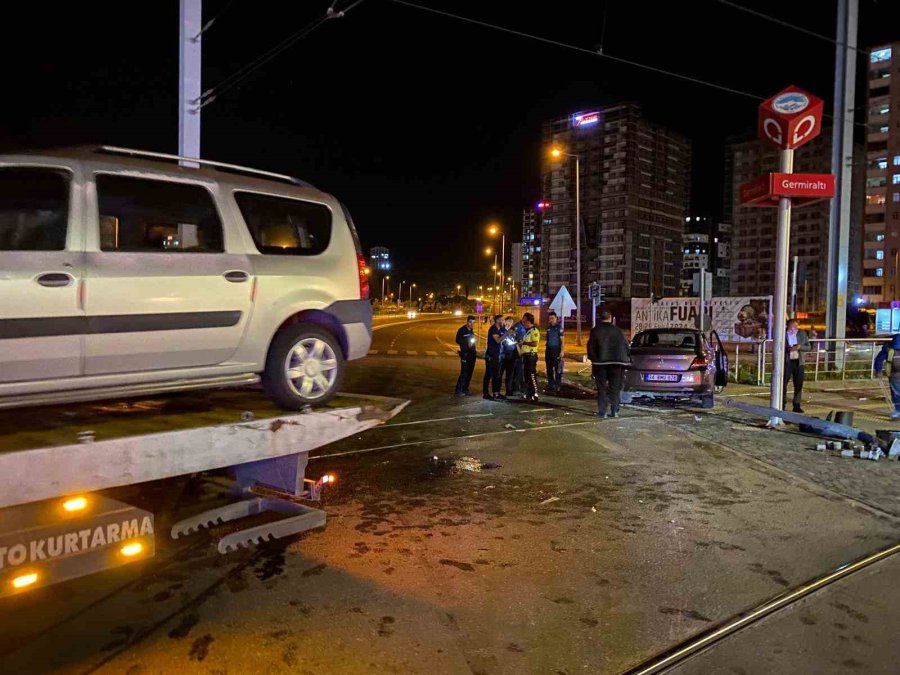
(788, 120)
(595, 293)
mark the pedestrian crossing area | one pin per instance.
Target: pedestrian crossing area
(410, 352)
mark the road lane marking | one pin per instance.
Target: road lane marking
(373, 351)
(411, 353)
(451, 353)
(437, 419)
(452, 438)
(534, 410)
(431, 353)
(392, 352)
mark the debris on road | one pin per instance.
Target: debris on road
(508, 426)
(550, 500)
(874, 454)
(467, 464)
(594, 509)
(697, 418)
(491, 465)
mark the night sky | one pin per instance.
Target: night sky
(428, 128)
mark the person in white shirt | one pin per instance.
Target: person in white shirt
(795, 349)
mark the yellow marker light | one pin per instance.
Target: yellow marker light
(75, 504)
(129, 550)
(25, 580)
(329, 478)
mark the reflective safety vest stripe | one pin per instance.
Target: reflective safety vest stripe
(532, 335)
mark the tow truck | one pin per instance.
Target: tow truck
(62, 469)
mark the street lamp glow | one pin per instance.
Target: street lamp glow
(556, 152)
(489, 251)
(493, 230)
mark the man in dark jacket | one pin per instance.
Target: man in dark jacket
(890, 351)
(608, 351)
(492, 359)
(465, 338)
(795, 350)
(553, 353)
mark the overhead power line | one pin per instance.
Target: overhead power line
(792, 26)
(583, 50)
(248, 69)
(209, 23)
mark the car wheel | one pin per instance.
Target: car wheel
(707, 401)
(305, 366)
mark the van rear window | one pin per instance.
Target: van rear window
(282, 226)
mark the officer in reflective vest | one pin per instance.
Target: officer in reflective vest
(528, 349)
(891, 351)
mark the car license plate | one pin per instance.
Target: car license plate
(658, 377)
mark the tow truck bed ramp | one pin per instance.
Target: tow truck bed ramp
(56, 451)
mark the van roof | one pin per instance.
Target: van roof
(239, 176)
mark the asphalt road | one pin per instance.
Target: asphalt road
(590, 546)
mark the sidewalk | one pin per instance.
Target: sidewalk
(864, 398)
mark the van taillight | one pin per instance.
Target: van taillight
(363, 277)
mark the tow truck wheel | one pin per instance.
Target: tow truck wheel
(305, 366)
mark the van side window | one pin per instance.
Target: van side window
(282, 226)
(140, 215)
(34, 209)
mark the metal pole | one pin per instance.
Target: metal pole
(190, 23)
(841, 167)
(780, 300)
(794, 289)
(578, 242)
(702, 299)
(494, 284)
(502, 268)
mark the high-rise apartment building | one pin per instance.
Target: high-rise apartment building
(881, 229)
(634, 187)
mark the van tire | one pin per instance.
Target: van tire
(323, 363)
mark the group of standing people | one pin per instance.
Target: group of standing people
(512, 353)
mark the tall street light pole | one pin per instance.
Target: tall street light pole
(383, 280)
(556, 152)
(494, 230)
(412, 286)
(400, 294)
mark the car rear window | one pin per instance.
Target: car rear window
(666, 339)
(282, 226)
(34, 209)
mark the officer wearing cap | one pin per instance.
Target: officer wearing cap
(528, 349)
(465, 338)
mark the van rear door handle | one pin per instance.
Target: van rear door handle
(236, 276)
(55, 279)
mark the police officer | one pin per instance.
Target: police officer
(528, 349)
(492, 359)
(518, 365)
(508, 351)
(553, 353)
(891, 352)
(465, 338)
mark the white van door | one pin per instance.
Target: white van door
(161, 292)
(41, 265)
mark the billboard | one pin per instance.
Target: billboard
(741, 319)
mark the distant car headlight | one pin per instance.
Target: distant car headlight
(411, 315)
(457, 312)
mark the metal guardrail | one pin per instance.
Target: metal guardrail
(830, 359)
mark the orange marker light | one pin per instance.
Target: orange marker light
(75, 504)
(25, 580)
(130, 550)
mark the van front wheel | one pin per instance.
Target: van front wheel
(305, 366)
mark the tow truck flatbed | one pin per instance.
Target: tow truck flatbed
(56, 451)
(55, 524)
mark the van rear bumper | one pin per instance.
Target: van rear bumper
(356, 318)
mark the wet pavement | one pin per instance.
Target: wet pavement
(581, 545)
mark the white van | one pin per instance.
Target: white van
(128, 273)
